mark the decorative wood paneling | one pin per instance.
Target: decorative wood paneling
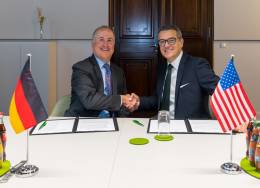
(137, 75)
(187, 16)
(136, 27)
(136, 18)
(195, 19)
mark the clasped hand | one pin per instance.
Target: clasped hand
(131, 102)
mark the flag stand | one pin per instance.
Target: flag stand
(230, 167)
(28, 169)
(26, 93)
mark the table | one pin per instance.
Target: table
(107, 160)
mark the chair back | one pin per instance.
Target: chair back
(61, 106)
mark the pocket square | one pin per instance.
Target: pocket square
(183, 85)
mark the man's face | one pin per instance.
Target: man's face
(170, 44)
(103, 44)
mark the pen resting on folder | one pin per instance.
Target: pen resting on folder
(42, 125)
(138, 123)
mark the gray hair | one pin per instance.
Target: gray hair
(101, 28)
(172, 27)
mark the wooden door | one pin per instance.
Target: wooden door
(195, 19)
(136, 24)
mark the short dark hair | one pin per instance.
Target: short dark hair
(172, 27)
(101, 28)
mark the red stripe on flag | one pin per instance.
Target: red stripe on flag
(226, 107)
(235, 100)
(23, 108)
(225, 124)
(217, 114)
(247, 100)
(242, 103)
(233, 108)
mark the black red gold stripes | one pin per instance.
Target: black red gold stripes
(26, 108)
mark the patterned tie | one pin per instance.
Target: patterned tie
(108, 88)
(165, 102)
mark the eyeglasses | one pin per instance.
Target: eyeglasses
(170, 41)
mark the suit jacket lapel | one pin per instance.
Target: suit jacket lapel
(160, 83)
(114, 80)
(97, 71)
(179, 77)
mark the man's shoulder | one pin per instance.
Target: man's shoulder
(194, 59)
(194, 62)
(84, 64)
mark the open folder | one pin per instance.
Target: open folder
(74, 125)
(188, 126)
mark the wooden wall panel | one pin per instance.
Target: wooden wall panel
(136, 18)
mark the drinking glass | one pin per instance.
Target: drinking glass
(163, 122)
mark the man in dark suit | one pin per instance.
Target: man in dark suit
(98, 86)
(184, 83)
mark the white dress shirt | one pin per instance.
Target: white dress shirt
(175, 65)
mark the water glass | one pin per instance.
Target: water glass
(163, 122)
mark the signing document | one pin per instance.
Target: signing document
(96, 125)
(54, 125)
(175, 126)
(205, 126)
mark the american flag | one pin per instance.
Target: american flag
(229, 101)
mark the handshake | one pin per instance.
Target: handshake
(131, 102)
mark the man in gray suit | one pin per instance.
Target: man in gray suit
(98, 86)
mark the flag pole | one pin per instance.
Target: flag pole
(231, 132)
(230, 167)
(231, 146)
(27, 144)
(232, 57)
(28, 169)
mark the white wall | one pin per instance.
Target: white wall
(68, 53)
(65, 19)
(71, 22)
(236, 23)
(236, 20)
(51, 88)
(13, 56)
(247, 58)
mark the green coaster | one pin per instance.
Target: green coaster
(163, 137)
(5, 168)
(245, 165)
(138, 141)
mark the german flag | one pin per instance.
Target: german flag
(26, 108)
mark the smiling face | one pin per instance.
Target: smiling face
(103, 44)
(170, 44)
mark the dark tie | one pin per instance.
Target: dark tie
(165, 102)
(108, 89)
